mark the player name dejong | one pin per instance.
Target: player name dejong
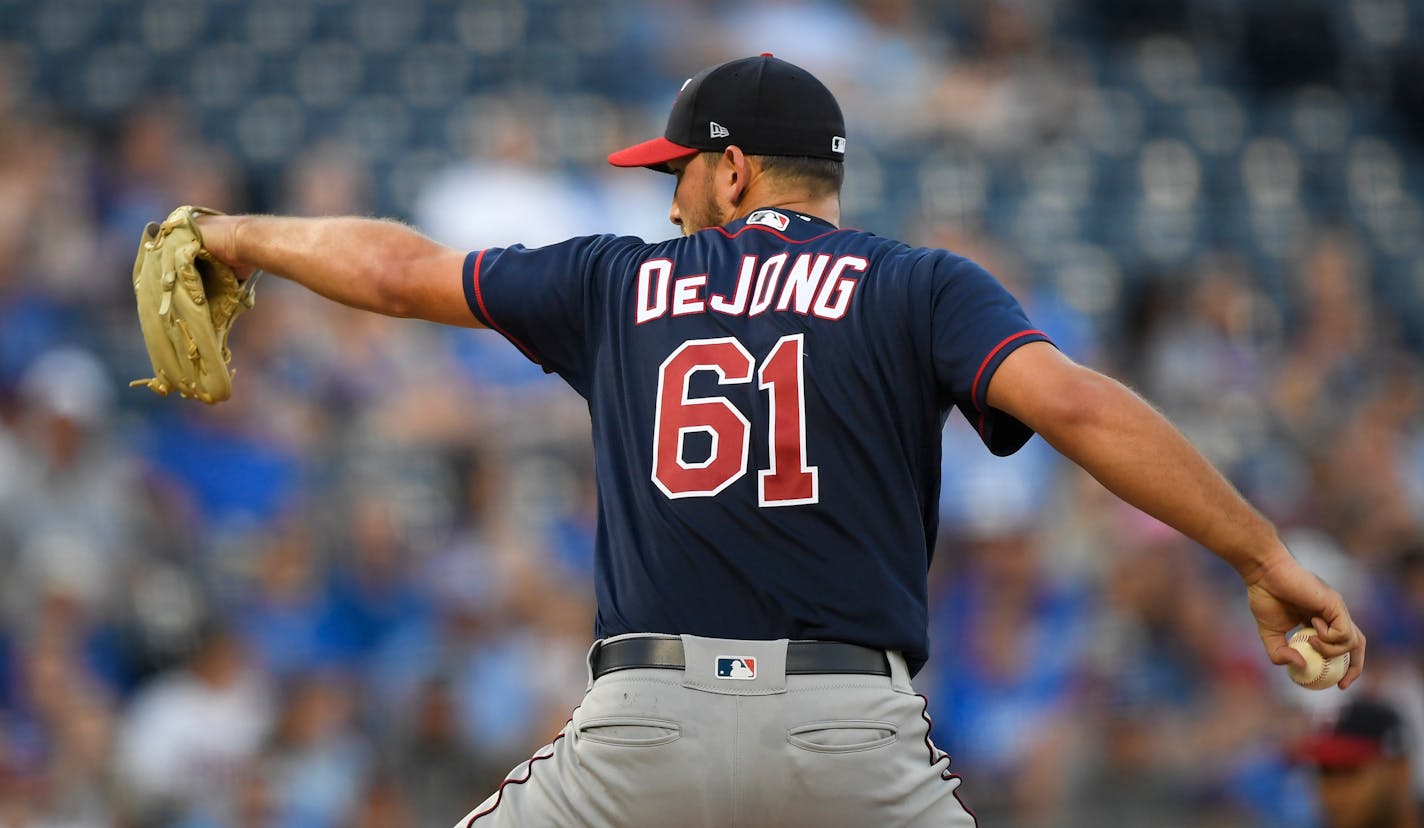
(814, 285)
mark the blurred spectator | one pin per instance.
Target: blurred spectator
(1012, 89)
(188, 734)
(509, 191)
(372, 591)
(876, 56)
(1363, 769)
(67, 507)
(251, 804)
(1398, 613)
(439, 771)
(283, 618)
(384, 805)
(329, 179)
(500, 640)
(57, 737)
(317, 760)
(238, 469)
(1332, 335)
(81, 787)
(1004, 706)
(1204, 358)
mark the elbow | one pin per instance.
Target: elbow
(394, 304)
(1081, 400)
(1088, 397)
(392, 270)
(417, 278)
(389, 290)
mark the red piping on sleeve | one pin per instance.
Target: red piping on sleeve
(475, 285)
(978, 375)
(480, 299)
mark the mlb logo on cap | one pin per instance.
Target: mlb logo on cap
(742, 668)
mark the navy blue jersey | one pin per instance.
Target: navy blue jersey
(767, 400)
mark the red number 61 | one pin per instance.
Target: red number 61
(789, 480)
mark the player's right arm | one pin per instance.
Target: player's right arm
(1137, 454)
(371, 264)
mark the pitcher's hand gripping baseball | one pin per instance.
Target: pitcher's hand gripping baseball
(187, 302)
(1284, 595)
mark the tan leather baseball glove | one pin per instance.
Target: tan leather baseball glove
(187, 302)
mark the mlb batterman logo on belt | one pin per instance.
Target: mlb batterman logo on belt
(742, 668)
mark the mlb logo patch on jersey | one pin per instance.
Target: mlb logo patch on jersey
(769, 218)
(741, 668)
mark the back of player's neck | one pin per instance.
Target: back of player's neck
(825, 209)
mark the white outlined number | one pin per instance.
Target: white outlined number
(789, 480)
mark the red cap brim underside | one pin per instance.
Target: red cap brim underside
(1338, 751)
(655, 153)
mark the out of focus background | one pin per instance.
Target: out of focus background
(359, 592)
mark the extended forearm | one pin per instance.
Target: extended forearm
(1138, 455)
(1131, 449)
(371, 264)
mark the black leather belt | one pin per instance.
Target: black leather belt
(802, 657)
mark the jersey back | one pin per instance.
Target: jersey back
(766, 402)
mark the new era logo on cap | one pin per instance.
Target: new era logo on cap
(837, 144)
(716, 130)
(742, 668)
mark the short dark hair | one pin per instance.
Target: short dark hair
(820, 175)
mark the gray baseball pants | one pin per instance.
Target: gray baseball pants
(666, 747)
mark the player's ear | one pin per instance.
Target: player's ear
(736, 168)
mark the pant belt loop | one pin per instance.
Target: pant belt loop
(589, 662)
(899, 672)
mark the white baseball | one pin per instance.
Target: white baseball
(1319, 672)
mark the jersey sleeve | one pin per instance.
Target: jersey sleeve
(976, 323)
(542, 300)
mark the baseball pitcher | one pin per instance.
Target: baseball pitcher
(767, 395)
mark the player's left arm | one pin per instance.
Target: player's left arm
(1134, 451)
(376, 265)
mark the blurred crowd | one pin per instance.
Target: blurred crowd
(359, 592)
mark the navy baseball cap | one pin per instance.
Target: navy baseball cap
(1363, 732)
(762, 104)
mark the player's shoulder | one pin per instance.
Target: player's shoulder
(593, 254)
(608, 243)
(892, 248)
(574, 246)
(892, 257)
(942, 264)
(938, 257)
